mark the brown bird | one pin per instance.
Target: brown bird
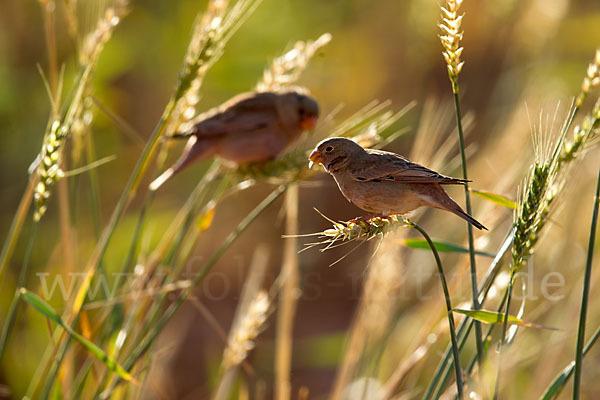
(251, 127)
(385, 183)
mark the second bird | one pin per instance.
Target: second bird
(385, 183)
(252, 127)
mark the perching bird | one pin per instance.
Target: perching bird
(251, 127)
(385, 183)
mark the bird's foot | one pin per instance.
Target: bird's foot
(366, 218)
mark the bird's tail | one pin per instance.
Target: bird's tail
(181, 135)
(446, 203)
(469, 219)
(195, 150)
(155, 184)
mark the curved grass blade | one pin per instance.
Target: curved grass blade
(561, 379)
(43, 307)
(495, 198)
(442, 247)
(492, 317)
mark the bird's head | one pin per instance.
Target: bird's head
(335, 153)
(308, 111)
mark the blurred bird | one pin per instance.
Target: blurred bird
(385, 183)
(250, 127)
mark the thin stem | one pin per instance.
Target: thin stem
(487, 336)
(476, 305)
(288, 299)
(585, 295)
(14, 305)
(17, 223)
(457, 368)
(504, 330)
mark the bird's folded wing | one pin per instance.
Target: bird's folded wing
(383, 166)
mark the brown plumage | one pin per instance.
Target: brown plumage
(251, 127)
(385, 183)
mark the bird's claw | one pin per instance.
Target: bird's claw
(367, 218)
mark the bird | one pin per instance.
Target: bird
(248, 128)
(385, 183)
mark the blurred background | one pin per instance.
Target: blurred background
(524, 62)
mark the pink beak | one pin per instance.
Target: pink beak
(308, 123)
(315, 157)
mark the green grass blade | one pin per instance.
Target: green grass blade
(495, 198)
(561, 379)
(44, 308)
(492, 317)
(442, 247)
(585, 295)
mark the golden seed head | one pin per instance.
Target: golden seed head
(451, 37)
(592, 78)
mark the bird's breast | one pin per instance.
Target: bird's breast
(252, 146)
(380, 197)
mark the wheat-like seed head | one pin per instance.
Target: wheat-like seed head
(209, 37)
(530, 210)
(360, 229)
(94, 42)
(81, 124)
(251, 325)
(581, 135)
(286, 69)
(544, 184)
(450, 38)
(591, 80)
(48, 169)
(204, 49)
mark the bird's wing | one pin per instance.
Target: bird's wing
(385, 166)
(242, 114)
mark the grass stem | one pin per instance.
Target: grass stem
(14, 305)
(476, 305)
(585, 296)
(288, 298)
(438, 261)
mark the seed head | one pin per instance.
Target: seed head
(450, 38)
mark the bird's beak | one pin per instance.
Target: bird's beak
(315, 157)
(308, 124)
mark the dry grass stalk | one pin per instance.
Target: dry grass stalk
(290, 293)
(286, 69)
(250, 326)
(450, 38)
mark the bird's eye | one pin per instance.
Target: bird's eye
(328, 149)
(301, 111)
